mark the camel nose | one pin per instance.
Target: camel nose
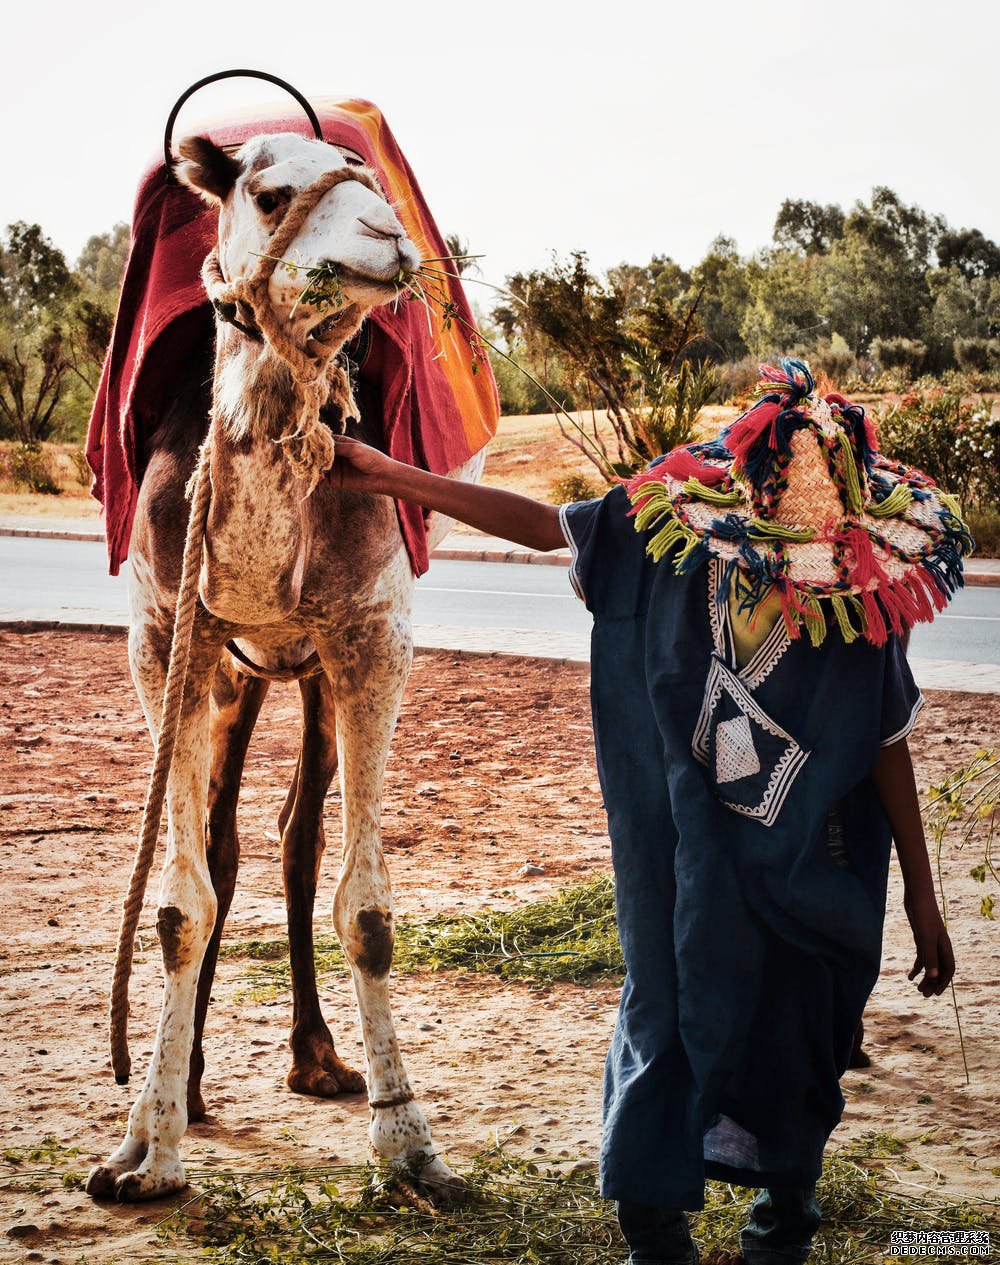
(382, 231)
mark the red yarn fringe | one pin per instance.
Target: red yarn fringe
(866, 566)
(742, 435)
(875, 629)
(682, 464)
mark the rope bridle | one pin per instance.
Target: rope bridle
(308, 447)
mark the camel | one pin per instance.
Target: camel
(311, 584)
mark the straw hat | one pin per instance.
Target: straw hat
(796, 498)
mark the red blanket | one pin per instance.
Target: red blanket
(440, 400)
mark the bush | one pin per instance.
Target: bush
(901, 355)
(519, 395)
(835, 359)
(738, 377)
(81, 470)
(29, 469)
(985, 528)
(957, 444)
(977, 355)
(573, 487)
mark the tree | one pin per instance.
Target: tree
(32, 371)
(968, 250)
(34, 275)
(721, 279)
(102, 261)
(783, 311)
(808, 226)
(621, 338)
(35, 287)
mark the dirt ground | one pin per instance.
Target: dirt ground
(491, 767)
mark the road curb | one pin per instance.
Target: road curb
(121, 630)
(524, 557)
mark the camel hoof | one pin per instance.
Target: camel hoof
(325, 1082)
(101, 1182)
(133, 1188)
(196, 1108)
(435, 1185)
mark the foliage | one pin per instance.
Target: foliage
(570, 936)
(807, 226)
(834, 358)
(28, 468)
(985, 528)
(969, 800)
(969, 251)
(573, 487)
(905, 355)
(32, 371)
(977, 355)
(520, 1211)
(55, 323)
(956, 443)
(622, 337)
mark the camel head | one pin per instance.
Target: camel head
(351, 227)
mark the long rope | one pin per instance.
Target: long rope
(152, 814)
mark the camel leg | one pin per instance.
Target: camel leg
(315, 1069)
(368, 693)
(236, 704)
(148, 1164)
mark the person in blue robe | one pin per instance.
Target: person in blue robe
(751, 703)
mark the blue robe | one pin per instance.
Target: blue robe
(750, 854)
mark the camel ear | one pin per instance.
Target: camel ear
(207, 169)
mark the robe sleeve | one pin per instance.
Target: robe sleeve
(901, 699)
(580, 523)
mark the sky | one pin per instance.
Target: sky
(624, 128)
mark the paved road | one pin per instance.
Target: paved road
(56, 578)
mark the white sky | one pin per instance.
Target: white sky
(622, 128)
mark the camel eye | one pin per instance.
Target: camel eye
(267, 201)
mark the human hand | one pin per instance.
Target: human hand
(357, 465)
(935, 956)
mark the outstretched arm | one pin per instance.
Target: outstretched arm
(518, 518)
(897, 789)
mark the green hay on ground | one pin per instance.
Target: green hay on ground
(518, 1211)
(570, 936)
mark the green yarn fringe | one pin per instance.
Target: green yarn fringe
(761, 529)
(849, 469)
(893, 505)
(712, 496)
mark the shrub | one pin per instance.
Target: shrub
(835, 359)
(81, 470)
(957, 444)
(902, 355)
(738, 377)
(573, 487)
(977, 355)
(30, 469)
(985, 528)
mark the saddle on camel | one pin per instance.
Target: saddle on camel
(210, 436)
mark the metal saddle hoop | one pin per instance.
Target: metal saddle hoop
(169, 161)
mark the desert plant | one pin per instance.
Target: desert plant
(834, 358)
(956, 443)
(29, 468)
(977, 355)
(573, 487)
(968, 801)
(901, 355)
(625, 343)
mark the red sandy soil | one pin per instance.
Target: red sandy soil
(491, 767)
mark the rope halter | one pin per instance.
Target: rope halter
(317, 376)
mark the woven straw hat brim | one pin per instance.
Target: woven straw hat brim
(893, 562)
(899, 543)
